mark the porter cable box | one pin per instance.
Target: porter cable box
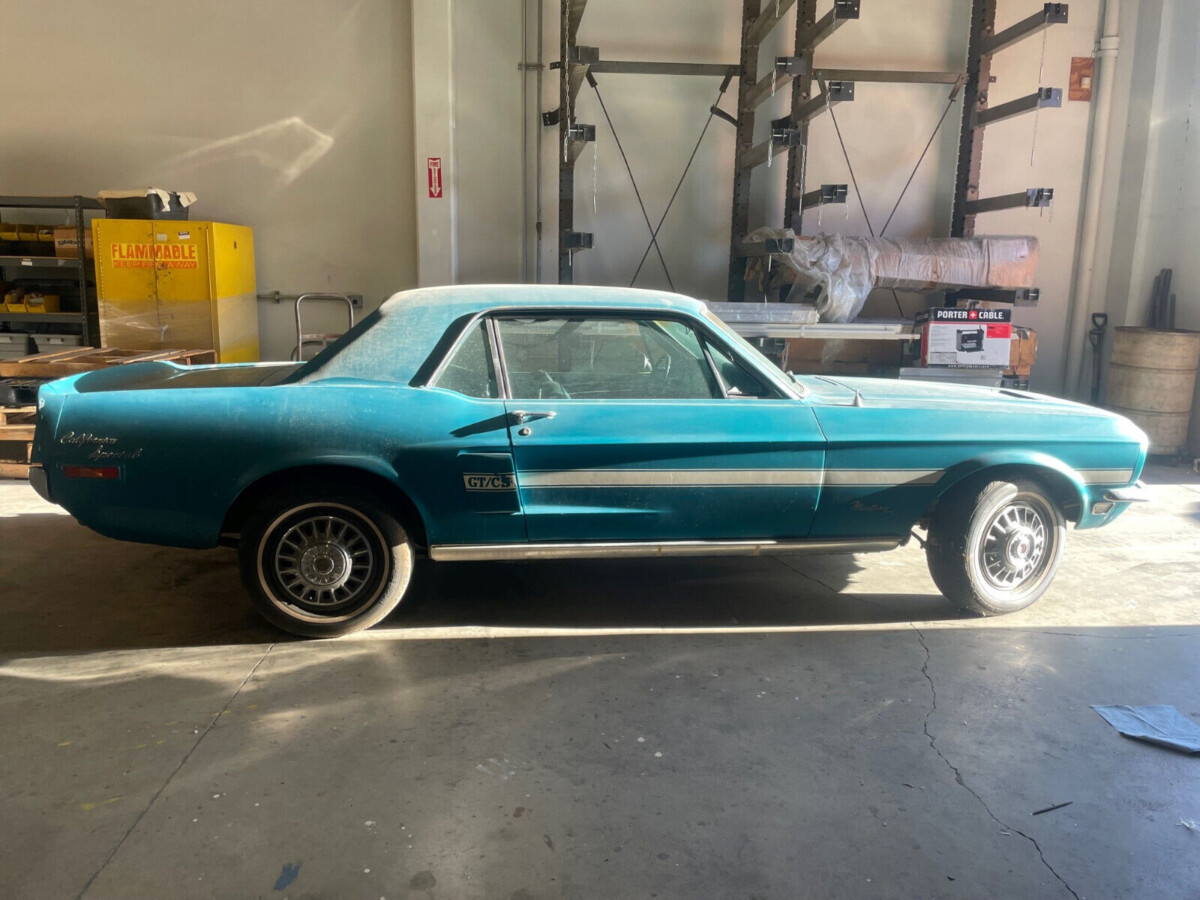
(965, 337)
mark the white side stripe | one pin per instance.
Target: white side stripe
(595, 478)
(1106, 476)
(846, 477)
(670, 478)
(611, 478)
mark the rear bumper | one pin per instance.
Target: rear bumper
(39, 482)
(1134, 493)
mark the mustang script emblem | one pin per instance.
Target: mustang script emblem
(505, 481)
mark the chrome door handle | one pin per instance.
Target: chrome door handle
(521, 416)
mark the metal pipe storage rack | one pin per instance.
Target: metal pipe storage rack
(814, 91)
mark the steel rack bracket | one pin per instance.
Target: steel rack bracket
(581, 55)
(1051, 14)
(833, 92)
(578, 137)
(766, 247)
(577, 240)
(786, 68)
(823, 196)
(782, 136)
(1029, 198)
(843, 10)
(579, 62)
(1015, 296)
(1039, 99)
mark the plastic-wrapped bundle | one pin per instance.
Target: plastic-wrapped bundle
(847, 268)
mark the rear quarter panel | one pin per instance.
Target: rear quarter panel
(185, 455)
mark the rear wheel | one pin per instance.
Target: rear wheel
(994, 548)
(323, 562)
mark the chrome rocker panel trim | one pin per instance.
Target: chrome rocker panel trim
(632, 549)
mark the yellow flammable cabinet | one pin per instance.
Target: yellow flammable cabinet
(177, 285)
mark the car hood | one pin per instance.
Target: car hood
(885, 392)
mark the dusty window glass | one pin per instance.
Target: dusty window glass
(604, 359)
(469, 371)
(736, 380)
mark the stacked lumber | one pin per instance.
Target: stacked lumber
(88, 359)
(17, 423)
(16, 430)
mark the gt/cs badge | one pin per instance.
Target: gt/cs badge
(505, 481)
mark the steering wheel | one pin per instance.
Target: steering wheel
(662, 366)
(550, 389)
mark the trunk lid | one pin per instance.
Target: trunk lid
(158, 375)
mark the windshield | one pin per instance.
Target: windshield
(755, 354)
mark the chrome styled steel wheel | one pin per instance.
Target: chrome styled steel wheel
(994, 546)
(325, 561)
(1013, 549)
(322, 562)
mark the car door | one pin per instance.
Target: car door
(458, 446)
(635, 426)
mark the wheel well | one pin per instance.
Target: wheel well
(324, 475)
(1062, 491)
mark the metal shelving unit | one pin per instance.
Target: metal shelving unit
(814, 90)
(49, 268)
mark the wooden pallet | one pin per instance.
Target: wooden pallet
(17, 424)
(16, 431)
(88, 359)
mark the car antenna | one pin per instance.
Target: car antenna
(858, 400)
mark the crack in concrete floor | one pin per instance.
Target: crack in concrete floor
(208, 728)
(958, 775)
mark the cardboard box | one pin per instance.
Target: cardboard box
(66, 242)
(966, 337)
(1023, 354)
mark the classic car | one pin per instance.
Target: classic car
(531, 422)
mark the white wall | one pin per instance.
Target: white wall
(1155, 203)
(292, 116)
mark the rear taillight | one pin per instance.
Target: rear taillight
(102, 472)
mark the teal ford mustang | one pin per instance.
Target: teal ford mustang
(529, 422)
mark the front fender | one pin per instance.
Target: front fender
(1066, 481)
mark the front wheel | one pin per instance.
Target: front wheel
(324, 562)
(994, 549)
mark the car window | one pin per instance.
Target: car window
(469, 371)
(604, 359)
(736, 380)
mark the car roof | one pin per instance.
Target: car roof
(404, 333)
(469, 298)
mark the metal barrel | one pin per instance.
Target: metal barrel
(1152, 380)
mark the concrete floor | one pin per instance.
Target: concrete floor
(823, 727)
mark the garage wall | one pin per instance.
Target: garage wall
(292, 116)
(1153, 207)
